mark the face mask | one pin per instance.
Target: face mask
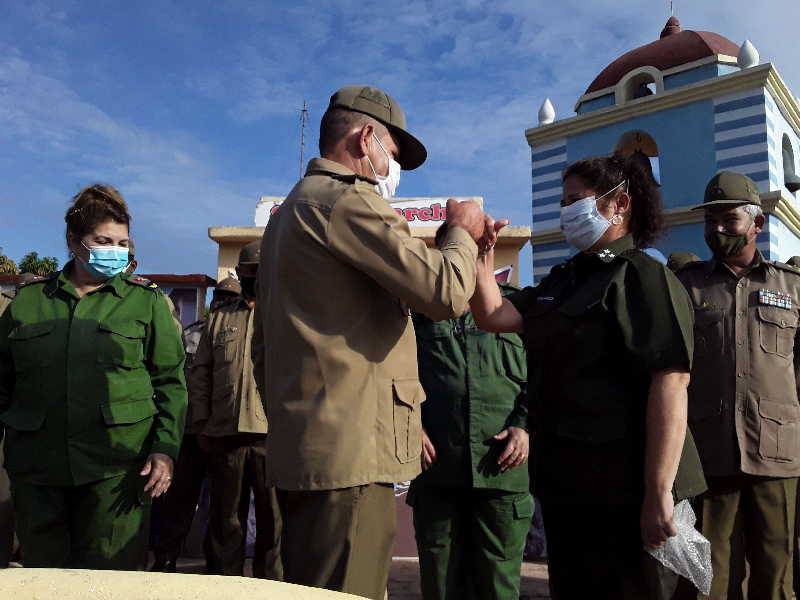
(106, 261)
(387, 184)
(582, 223)
(725, 245)
(248, 287)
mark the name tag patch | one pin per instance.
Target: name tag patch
(774, 298)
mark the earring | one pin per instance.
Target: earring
(616, 220)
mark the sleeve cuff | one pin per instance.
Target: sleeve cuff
(167, 448)
(458, 237)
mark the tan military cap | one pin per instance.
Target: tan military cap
(382, 107)
(730, 189)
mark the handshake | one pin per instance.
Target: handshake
(481, 227)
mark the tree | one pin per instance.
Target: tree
(31, 263)
(7, 265)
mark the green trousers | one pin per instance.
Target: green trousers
(340, 540)
(98, 525)
(470, 541)
(595, 552)
(237, 465)
(753, 519)
(6, 516)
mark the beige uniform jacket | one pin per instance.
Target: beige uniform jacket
(338, 274)
(223, 398)
(743, 401)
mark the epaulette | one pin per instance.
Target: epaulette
(690, 265)
(785, 267)
(141, 282)
(39, 279)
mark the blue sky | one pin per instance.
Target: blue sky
(191, 108)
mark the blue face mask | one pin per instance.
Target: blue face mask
(106, 261)
(582, 222)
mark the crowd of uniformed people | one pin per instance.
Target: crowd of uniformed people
(354, 357)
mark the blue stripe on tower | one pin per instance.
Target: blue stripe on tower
(741, 103)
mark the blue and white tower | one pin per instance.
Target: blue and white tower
(694, 103)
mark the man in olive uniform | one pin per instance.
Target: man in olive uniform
(472, 508)
(339, 356)
(743, 402)
(232, 429)
(181, 503)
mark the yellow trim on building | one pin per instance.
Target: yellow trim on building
(762, 76)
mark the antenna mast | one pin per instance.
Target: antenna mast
(303, 121)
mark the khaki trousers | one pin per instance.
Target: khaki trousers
(750, 518)
(340, 540)
(237, 465)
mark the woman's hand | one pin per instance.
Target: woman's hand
(428, 451)
(656, 518)
(159, 467)
(516, 450)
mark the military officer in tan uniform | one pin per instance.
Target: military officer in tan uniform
(743, 402)
(232, 430)
(341, 386)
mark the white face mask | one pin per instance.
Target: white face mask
(387, 184)
(582, 223)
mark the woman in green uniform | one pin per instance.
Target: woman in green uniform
(609, 341)
(92, 397)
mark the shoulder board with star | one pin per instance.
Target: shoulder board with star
(785, 267)
(39, 279)
(141, 282)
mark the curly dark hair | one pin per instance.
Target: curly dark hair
(93, 205)
(603, 173)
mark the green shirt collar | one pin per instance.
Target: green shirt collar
(62, 282)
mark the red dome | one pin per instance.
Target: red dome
(675, 48)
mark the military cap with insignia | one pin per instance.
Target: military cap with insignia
(250, 254)
(229, 285)
(730, 189)
(382, 107)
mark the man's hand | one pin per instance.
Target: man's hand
(491, 230)
(428, 451)
(466, 215)
(656, 518)
(159, 467)
(516, 451)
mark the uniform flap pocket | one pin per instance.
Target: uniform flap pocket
(704, 317)
(779, 412)
(511, 338)
(132, 330)
(523, 507)
(432, 330)
(777, 316)
(34, 330)
(24, 417)
(132, 411)
(408, 392)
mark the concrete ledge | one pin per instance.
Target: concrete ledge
(65, 584)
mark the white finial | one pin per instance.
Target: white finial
(748, 55)
(547, 114)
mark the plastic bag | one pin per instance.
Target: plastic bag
(688, 553)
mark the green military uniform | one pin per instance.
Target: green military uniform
(6, 510)
(89, 387)
(471, 519)
(596, 328)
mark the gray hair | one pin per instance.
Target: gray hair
(753, 210)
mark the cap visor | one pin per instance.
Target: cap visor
(412, 152)
(728, 203)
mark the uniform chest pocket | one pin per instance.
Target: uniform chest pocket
(776, 330)
(709, 332)
(513, 355)
(226, 345)
(407, 396)
(121, 343)
(29, 345)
